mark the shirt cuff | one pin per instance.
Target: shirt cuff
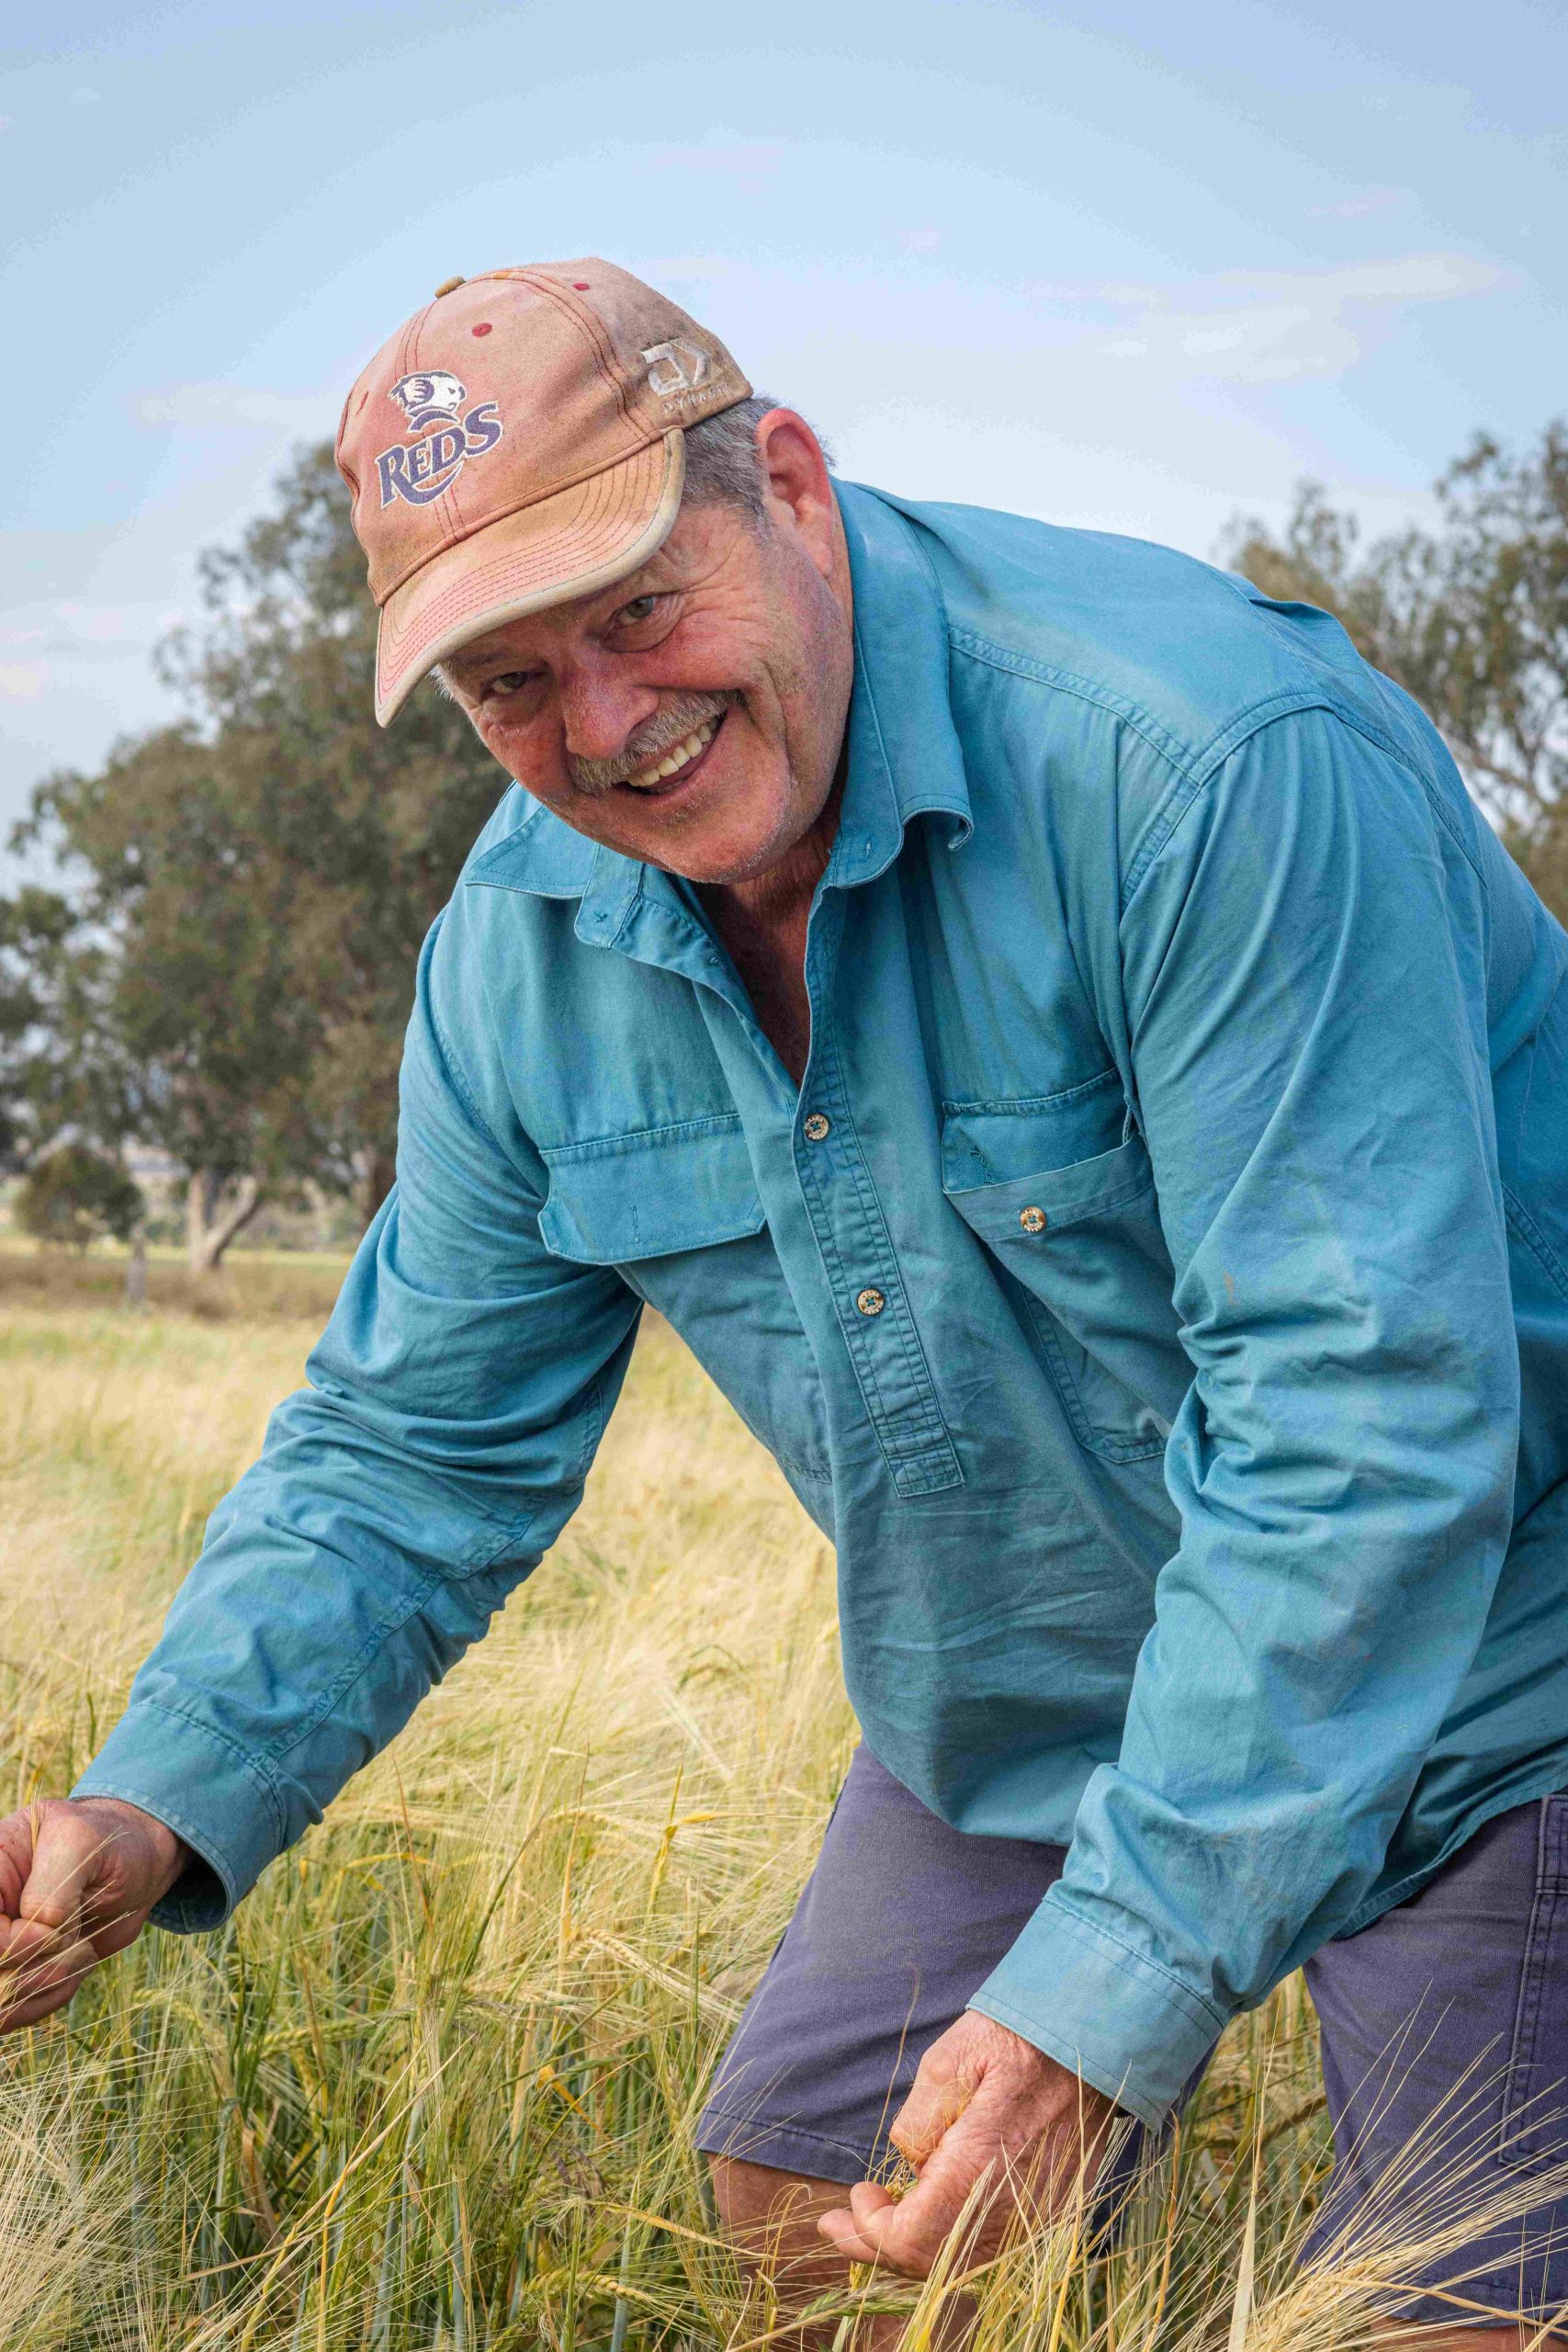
(206, 1791)
(1118, 2020)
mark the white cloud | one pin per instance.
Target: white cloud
(202, 407)
(921, 240)
(1272, 326)
(24, 681)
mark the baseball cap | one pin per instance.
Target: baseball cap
(519, 442)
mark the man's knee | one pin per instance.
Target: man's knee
(770, 2218)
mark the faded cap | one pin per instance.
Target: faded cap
(519, 442)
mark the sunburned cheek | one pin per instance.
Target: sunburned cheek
(510, 747)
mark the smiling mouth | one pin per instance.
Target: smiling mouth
(662, 774)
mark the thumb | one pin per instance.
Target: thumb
(70, 1860)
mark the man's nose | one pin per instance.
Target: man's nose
(599, 711)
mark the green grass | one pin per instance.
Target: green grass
(432, 2087)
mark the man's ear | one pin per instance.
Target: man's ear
(800, 497)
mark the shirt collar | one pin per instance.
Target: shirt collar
(904, 759)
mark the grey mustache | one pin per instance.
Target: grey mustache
(650, 741)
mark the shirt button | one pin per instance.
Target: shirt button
(870, 1302)
(1033, 1220)
(814, 1125)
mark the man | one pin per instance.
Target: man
(1047, 1026)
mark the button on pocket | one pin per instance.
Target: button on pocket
(1084, 1244)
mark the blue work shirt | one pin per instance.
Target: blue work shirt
(1157, 1289)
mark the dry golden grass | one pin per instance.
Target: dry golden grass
(432, 2086)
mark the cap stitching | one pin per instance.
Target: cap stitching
(586, 320)
(564, 482)
(593, 518)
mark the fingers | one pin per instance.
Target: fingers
(34, 1987)
(908, 2235)
(63, 1904)
(16, 1860)
(67, 1860)
(846, 2227)
(1003, 2154)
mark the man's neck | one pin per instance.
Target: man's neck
(764, 920)
(780, 897)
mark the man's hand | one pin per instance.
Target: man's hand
(984, 2104)
(78, 1876)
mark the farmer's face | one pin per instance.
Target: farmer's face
(726, 661)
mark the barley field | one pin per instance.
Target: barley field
(431, 2087)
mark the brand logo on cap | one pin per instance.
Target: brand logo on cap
(675, 367)
(432, 397)
(419, 474)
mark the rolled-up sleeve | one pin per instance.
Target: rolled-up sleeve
(1303, 972)
(454, 1404)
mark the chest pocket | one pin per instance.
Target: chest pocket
(676, 1210)
(651, 1194)
(1083, 1252)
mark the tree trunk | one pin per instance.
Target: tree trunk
(210, 1222)
(136, 1274)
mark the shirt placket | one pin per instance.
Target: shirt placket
(870, 1298)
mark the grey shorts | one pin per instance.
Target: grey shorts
(1447, 2018)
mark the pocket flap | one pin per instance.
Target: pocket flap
(1064, 1196)
(644, 1196)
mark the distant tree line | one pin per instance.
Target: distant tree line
(1470, 615)
(224, 972)
(225, 968)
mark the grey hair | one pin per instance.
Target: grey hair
(723, 465)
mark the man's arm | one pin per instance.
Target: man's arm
(1305, 994)
(455, 1402)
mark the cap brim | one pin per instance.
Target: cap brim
(572, 544)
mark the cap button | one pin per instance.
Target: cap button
(447, 286)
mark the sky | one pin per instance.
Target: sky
(1129, 265)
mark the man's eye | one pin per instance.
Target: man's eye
(509, 681)
(641, 608)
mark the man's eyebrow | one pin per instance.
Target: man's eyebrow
(466, 661)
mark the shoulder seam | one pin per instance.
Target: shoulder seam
(1176, 805)
(1194, 768)
(1173, 807)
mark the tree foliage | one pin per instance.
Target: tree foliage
(249, 888)
(73, 1196)
(1471, 615)
(33, 926)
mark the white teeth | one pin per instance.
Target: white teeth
(673, 762)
